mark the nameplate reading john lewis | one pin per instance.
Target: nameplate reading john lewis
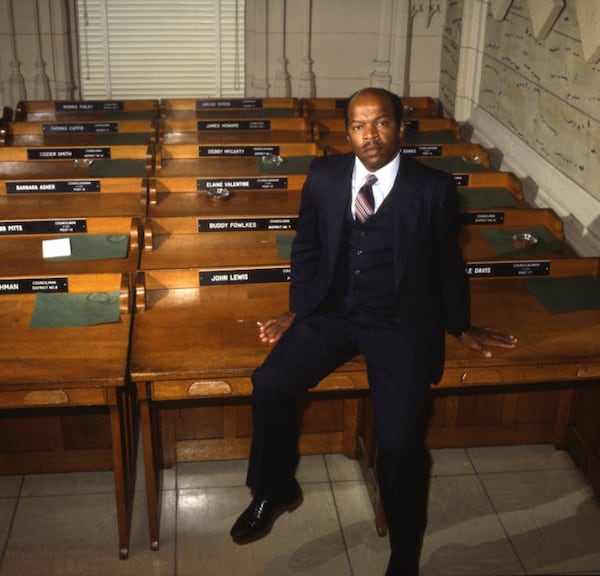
(234, 125)
(33, 285)
(461, 179)
(66, 153)
(84, 128)
(247, 224)
(244, 276)
(242, 183)
(53, 186)
(89, 106)
(215, 151)
(43, 226)
(235, 103)
(481, 218)
(421, 151)
(501, 269)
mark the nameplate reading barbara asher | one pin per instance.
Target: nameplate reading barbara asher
(245, 276)
(267, 183)
(247, 224)
(10, 227)
(234, 125)
(83, 128)
(216, 151)
(66, 153)
(33, 285)
(513, 268)
(235, 103)
(88, 106)
(481, 218)
(52, 186)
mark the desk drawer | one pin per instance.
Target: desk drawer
(49, 398)
(201, 388)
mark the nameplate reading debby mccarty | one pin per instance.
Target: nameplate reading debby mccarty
(52, 186)
(247, 224)
(237, 151)
(12, 227)
(499, 269)
(33, 285)
(244, 276)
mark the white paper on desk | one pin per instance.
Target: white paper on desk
(56, 247)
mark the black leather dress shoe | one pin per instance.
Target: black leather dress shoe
(257, 520)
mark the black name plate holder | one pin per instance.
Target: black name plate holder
(244, 276)
(33, 285)
(504, 269)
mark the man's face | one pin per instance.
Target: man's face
(373, 132)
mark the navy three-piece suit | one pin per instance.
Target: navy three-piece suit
(388, 289)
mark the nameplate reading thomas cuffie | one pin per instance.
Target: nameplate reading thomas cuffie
(421, 151)
(84, 128)
(52, 186)
(481, 218)
(43, 226)
(234, 125)
(247, 224)
(242, 183)
(500, 269)
(33, 285)
(66, 153)
(89, 106)
(244, 276)
(236, 103)
(238, 151)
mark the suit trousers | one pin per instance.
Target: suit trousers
(398, 375)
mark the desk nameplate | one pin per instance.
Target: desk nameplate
(512, 268)
(83, 128)
(52, 186)
(89, 106)
(461, 179)
(234, 125)
(235, 103)
(42, 226)
(433, 150)
(67, 153)
(245, 224)
(33, 285)
(482, 218)
(244, 276)
(216, 151)
(265, 183)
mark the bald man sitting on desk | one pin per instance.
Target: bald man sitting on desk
(376, 270)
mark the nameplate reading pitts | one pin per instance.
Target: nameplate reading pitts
(66, 153)
(481, 218)
(88, 128)
(235, 125)
(247, 224)
(33, 285)
(90, 106)
(421, 151)
(498, 269)
(43, 227)
(56, 186)
(238, 151)
(243, 183)
(244, 276)
(239, 103)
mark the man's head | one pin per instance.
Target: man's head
(374, 126)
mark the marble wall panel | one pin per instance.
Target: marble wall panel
(450, 55)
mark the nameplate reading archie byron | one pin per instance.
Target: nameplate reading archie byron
(247, 224)
(33, 285)
(274, 183)
(11, 227)
(236, 103)
(500, 269)
(244, 276)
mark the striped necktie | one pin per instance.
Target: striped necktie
(364, 205)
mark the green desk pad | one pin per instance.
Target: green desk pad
(284, 245)
(123, 138)
(117, 115)
(268, 112)
(70, 310)
(563, 295)
(434, 137)
(101, 168)
(96, 247)
(502, 242)
(470, 198)
(454, 164)
(290, 165)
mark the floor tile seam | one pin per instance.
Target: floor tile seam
(10, 527)
(526, 471)
(341, 526)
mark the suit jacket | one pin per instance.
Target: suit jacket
(430, 282)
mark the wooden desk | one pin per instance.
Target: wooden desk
(78, 110)
(72, 367)
(75, 151)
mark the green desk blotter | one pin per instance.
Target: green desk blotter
(434, 137)
(472, 198)
(268, 112)
(284, 245)
(502, 241)
(122, 168)
(70, 310)
(290, 165)
(96, 247)
(123, 138)
(563, 295)
(454, 164)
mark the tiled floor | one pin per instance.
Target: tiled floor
(493, 511)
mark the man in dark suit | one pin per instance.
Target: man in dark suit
(376, 270)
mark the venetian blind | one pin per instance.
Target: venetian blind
(161, 48)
